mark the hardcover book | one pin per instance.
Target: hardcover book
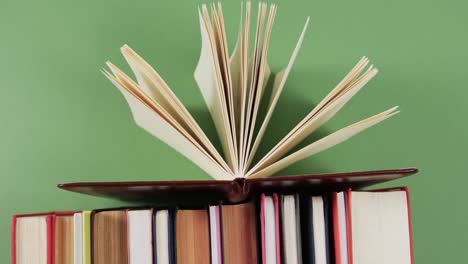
(231, 191)
(242, 215)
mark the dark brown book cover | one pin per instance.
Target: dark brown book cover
(212, 191)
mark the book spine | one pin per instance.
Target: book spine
(50, 239)
(277, 229)
(86, 222)
(13, 240)
(349, 228)
(409, 222)
(262, 227)
(240, 190)
(336, 229)
(406, 190)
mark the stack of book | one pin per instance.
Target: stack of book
(337, 227)
(241, 216)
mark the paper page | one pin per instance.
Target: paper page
(152, 84)
(325, 143)
(245, 82)
(278, 85)
(236, 66)
(380, 228)
(220, 34)
(315, 121)
(333, 94)
(352, 75)
(208, 77)
(125, 82)
(31, 240)
(254, 67)
(264, 74)
(159, 127)
(155, 87)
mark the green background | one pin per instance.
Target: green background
(62, 121)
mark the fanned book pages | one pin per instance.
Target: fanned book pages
(234, 89)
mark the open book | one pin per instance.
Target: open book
(233, 87)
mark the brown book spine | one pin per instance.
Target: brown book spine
(192, 237)
(64, 240)
(109, 237)
(239, 233)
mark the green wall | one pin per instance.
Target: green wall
(62, 121)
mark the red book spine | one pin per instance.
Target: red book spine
(405, 189)
(13, 240)
(262, 226)
(410, 224)
(336, 227)
(277, 229)
(349, 229)
(50, 240)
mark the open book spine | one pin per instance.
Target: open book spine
(233, 88)
(212, 191)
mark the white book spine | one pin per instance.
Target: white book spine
(78, 239)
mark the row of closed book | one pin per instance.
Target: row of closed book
(340, 227)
